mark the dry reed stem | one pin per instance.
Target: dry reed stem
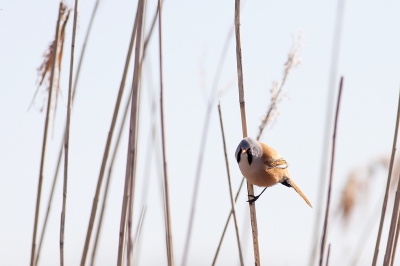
(395, 241)
(327, 256)
(46, 124)
(117, 145)
(110, 168)
(132, 133)
(62, 142)
(325, 227)
(388, 260)
(226, 224)
(385, 199)
(168, 230)
(230, 188)
(66, 138)
(327, 131)
(108, 144)
(250, 190)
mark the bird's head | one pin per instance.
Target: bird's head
(247, 149)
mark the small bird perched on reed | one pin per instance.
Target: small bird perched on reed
(263, 166)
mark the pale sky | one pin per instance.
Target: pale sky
(194, 34)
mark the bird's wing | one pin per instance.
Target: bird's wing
(278, 163)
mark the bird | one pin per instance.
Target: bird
(263, 166)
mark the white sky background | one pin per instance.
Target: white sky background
(194, 34)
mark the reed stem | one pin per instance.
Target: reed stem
(46, 126)
(168, 230)
(328, 202)
(230, 188)
(107, 147)
(385, 199)
(250, 190)
(132, 149)
(66, 138)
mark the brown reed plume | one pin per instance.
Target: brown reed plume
(277, 93)
(44, 70)
(39, 190)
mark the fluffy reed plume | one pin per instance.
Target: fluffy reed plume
(45, 68)
(353, 192)
(277, 93)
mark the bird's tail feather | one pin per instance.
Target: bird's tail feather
(300, 193)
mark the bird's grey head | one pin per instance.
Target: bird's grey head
(248, 147)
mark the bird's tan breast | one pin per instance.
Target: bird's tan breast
(257, 174)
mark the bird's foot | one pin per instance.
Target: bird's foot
(253, 199)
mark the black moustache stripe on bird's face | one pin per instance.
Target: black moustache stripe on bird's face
(249, 155)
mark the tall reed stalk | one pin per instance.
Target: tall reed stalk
(168, 230)
(99, 226)
(385, 199)
(108, 144)
(327, 128)
(132, 149)
(250, 189)
(66, 138)
(328, 201)
(230, 188)
(395, 240)
(62, 142)
(46, 126)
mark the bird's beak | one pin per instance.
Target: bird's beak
(243, 151)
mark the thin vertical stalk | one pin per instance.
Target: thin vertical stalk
(392, 230)
(327, 128)
(118, 141)
(62, 142)
(46, 126)
(327, 256)
(168, 230)
(110, 168)
(230, 188)
(328, 201)
(395, 240)
(385, 199)
(226, 224)
(250, 190)
(66, 139)
(108, 144)
(132, 149)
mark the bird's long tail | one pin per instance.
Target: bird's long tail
(300, 193)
